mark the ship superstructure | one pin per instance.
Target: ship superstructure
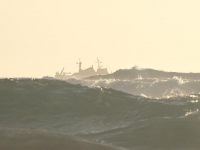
(83, 73)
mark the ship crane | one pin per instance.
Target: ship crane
(62, 71)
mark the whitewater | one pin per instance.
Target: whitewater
(151, 88)
(78, 114)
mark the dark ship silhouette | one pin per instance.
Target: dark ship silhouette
(83, 73)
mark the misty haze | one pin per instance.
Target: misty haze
(99, 75)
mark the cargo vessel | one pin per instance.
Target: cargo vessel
(83, 73)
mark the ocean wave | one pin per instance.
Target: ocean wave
(98, 114)
(24, 139)
(151, 88)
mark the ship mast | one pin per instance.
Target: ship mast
(79, 63)
(98, 62)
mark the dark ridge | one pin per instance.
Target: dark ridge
(133, 73)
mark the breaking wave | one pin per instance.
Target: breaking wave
(53, 114)
(152, 88)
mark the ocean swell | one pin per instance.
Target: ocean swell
(57, 111)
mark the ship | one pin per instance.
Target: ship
(83, 73)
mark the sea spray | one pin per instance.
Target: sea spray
(152, 88)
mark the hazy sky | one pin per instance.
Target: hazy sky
(39, 37)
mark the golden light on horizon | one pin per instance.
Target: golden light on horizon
(41, 37)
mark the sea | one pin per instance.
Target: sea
(75, 114)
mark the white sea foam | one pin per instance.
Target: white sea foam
(152, 88)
